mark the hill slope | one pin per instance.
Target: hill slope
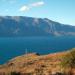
(11, 26)
(32, 63)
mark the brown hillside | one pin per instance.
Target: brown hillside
(31, 63)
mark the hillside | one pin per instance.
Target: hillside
(61, 63)
(32, 63)
(12, 26)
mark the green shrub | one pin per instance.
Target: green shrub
(68, 61)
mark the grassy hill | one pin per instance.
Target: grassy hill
(34, 64)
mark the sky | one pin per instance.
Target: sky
(62, 11)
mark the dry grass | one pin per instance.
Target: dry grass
(31, 63)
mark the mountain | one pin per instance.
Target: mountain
(11, 26)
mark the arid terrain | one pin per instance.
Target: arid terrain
(34, 64)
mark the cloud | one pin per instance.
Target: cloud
(24, 8)
(30, 6)
(37, 4)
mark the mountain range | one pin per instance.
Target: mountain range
(13, 26)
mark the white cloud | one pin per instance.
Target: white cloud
(37, 4)
(24, 8)
(30, 6)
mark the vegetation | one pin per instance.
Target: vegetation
(45, 65)
(68, 61)
(15, 73)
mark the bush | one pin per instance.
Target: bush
(15, 73)
(68, 61)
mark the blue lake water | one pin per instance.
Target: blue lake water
(12, 47)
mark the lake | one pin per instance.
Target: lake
(12, 47)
